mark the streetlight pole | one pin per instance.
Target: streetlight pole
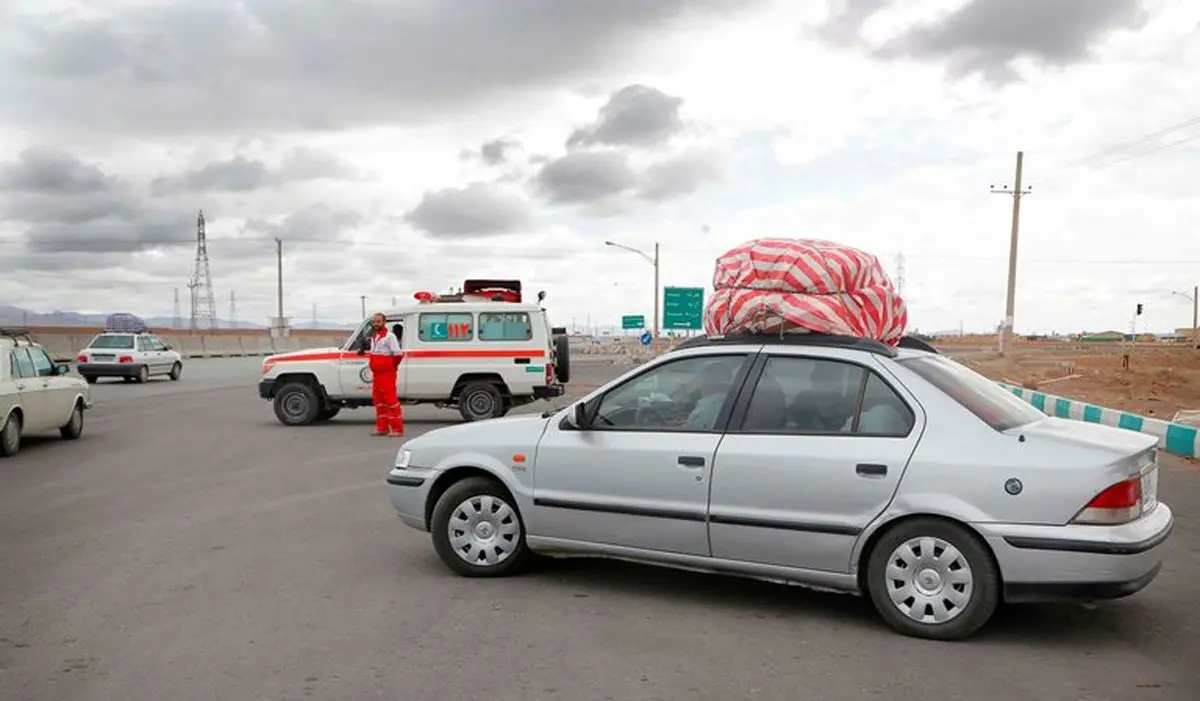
(653, 260)
(1194, 298)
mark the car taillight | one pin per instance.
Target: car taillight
(549, 373)
(81, 359)
(125, 359)
(1120, 503)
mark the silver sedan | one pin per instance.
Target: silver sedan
(822, 461)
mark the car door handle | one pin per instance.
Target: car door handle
(691, 461)
(868, 469)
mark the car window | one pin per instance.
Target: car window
(683, 395)
(985, 399)
(22, 365)
(42, 364)
(807, 396)
(506, 326)
(446, 327)
(143, 344)
(112, 341)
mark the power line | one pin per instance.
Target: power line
(1096, 158)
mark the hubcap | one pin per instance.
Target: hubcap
(481, 404)
(295, 404)
(484, 530)
(929, 580)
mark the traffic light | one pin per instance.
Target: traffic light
(1139, 310)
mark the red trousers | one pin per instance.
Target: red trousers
(388, 414)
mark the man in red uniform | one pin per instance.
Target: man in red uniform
(384, 362)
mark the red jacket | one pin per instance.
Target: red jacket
(385, 355)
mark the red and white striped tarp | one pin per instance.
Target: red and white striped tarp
(781, 285)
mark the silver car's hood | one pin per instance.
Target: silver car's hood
(1087, 436)
(522, 431)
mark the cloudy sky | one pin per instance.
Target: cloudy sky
(397, 145)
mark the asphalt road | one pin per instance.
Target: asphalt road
(190, 547)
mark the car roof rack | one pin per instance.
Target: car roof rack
(17, 334)
(827, 340)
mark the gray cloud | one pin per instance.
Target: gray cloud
(680, 175)
(317, 222)
(635, 115)
(209, 66)
(985, 37)
(476, 210)
(240, 174)
(51, 170)
(74, 207)
(144, 229)
(583, 177)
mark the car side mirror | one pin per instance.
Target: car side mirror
(581, 415)
(62, 369)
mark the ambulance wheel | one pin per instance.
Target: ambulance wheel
(296, 404)
(328, 413)
(479, 401)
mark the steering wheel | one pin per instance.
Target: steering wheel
(646, 416)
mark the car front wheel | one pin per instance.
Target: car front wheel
(933, 579)
(176, 371)
(477, 530)
(73, 428)
(296, 404)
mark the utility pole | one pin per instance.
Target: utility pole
(233, 309)
(279, 281)
(177, 322)
(316, 323)
(1006, 332)
(900, 274)
(363, 301)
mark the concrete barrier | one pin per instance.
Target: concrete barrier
(1177, 439)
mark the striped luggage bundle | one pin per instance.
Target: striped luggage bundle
(796, 285)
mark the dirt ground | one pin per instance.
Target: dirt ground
(1159, 381)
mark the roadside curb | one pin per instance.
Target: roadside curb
(1173, 438)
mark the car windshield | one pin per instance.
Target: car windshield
(112, 342)
(993, 404)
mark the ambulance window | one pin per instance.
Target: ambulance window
(446, 327)
(506, 326)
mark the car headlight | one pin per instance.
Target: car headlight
(402, 459)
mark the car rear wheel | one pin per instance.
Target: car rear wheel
(91, 379)
(176, 371)
(477, 530)
(74, 428)
(10, 435)
(296, 404)
(143, 375)
(933, 579)
(479, 401)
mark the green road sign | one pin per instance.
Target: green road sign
(633, 321)
(683, 308)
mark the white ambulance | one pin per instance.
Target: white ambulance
(482, 351)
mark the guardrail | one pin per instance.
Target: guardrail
(64, 347)
(1173, 438)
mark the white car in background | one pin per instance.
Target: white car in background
(130, 356)
(36, 396)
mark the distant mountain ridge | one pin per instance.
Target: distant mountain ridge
(16, 316)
